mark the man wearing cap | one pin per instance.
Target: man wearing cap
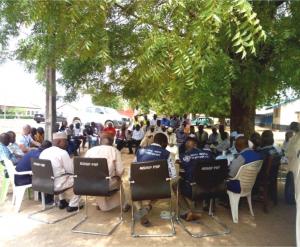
(63, 169)
(115, 169)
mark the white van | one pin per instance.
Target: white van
(102, 115)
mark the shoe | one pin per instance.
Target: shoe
(63, 204)
(72, 209)
(145, 222)
(126, 208)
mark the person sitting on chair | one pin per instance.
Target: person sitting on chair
(149, 137)
(4, 151)
(115, 169)
(26, 141)
(189, 156)
(245, 156)
(25, 165)
(155, 151)
(63, 169)
(13, 146)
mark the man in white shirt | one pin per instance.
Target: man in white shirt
(25, 142)
(63, 170)
(137, 137)
(149, 137)
(115, 169)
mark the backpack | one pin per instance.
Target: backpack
(289, 189)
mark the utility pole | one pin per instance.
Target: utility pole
(50, 118)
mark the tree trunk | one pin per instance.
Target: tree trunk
(243, 105)
(50, 102)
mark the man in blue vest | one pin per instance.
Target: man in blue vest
(189, 157)
(246, 155)
(155, 151)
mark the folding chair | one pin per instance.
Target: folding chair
(209, 177)
(150, 181)
(92, 179)
(43, 181)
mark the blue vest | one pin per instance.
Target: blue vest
(152, 152)
(190, 158)
(250, 156)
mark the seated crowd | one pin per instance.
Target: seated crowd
(172, 139)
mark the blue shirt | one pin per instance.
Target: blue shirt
(191, 158)
(6, 154)
(25, 165)
(156, 152)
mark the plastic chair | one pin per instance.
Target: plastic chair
(91, 178)
(246, 176)
(18, 191)
(4, 184)
(150, 181)
(210, 178)
(43, 181)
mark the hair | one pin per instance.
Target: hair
(45, 144)
(224, 135)
(160, 139)
(241, 143)
(267, 138)
(11, 133)
(40, 130)
(255, 138)
(294, 126)
(4, 139)
(106, 140)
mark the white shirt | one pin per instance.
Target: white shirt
(153, 122)
(138, 135)
(112, 155)
(61, 164)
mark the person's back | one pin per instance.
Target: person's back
(246, 156)
(111, 154)
(115, 169)
(152, 152)
(25, 163)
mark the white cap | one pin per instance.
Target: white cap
(59, 135)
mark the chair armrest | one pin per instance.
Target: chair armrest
(23, 173)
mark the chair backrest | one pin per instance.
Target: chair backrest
(247, 175)
(210, 174)
(150, 180)
(42, 175)
(91, 177)
(11, 170)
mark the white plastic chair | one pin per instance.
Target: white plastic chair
(18, 191)
(246, 175)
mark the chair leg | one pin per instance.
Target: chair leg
(225, 231)
(19, 194)
(234, 199)
(250, 204)
(114, 227)
(45, 208)
(4, 189)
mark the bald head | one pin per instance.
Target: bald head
(241, 143)
(26, 129)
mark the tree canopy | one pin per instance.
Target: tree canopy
(174, 56)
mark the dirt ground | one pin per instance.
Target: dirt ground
(277, 228)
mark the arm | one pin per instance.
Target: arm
(235, 166)
(171, 166)
(67, 163)
(119, 164)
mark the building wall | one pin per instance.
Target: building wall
(285, 114)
